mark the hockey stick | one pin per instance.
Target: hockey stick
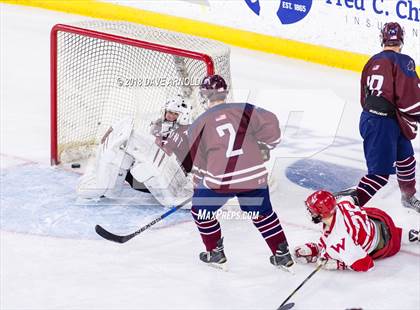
(288, 306)
(122, 239)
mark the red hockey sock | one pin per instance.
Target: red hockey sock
(406, 174)
(209, 229)
(369, 185)
(271, 230)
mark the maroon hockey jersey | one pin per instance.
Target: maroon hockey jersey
(392, 76)
(174, 142)
(224, 147)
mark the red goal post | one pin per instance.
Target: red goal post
(87, 59)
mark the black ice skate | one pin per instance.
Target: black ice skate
(414, 235)
(215, 258)
(412, 203)
(352, 192)
(282, 257)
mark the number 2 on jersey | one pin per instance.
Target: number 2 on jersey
(230, 152)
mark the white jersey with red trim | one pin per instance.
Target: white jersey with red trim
(351, 237)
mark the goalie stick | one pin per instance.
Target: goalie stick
(122, 239)
(290, 305)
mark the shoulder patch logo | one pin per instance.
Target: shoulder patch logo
(375, 68)
(411, 66)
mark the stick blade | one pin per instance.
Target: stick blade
(107, 235)
(286, 306)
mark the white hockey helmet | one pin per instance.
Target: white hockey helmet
(179, 105)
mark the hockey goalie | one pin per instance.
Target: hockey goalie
(158, 162)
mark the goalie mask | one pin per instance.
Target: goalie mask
(179, 106)
(320, 204)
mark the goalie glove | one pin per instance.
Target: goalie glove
(307, 253)
(331, 264)
(265, 151)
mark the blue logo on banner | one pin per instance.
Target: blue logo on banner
(289, 12)
(292, 11)
(254, 5)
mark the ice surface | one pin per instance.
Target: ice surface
(38, 199)
(50, 261)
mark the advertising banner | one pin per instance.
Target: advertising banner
(350, 25)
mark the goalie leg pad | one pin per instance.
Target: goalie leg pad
(143, 171)
(87, 187)
(170, 189)
(106, 174)
(107, 180)
(161, 173)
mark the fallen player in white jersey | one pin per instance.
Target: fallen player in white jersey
(155, 162)
(352, 236)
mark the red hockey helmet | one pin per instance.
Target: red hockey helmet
(321, 204)
(392, 34)
(213, 88)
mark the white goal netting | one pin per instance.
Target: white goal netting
(108, 70)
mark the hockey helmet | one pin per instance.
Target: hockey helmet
(392, 34)
(213, 88)
(180, 106)
(320, 204)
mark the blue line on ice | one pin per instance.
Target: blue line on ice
(317, 174)
(38, 199)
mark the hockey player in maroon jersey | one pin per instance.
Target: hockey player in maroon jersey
(390, 97)
(226, 144)
(352, 236)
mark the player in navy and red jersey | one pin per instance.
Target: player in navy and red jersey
(390, 97)
(352, 236)
(226, 143)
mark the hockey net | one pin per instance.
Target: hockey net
(102, 71)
